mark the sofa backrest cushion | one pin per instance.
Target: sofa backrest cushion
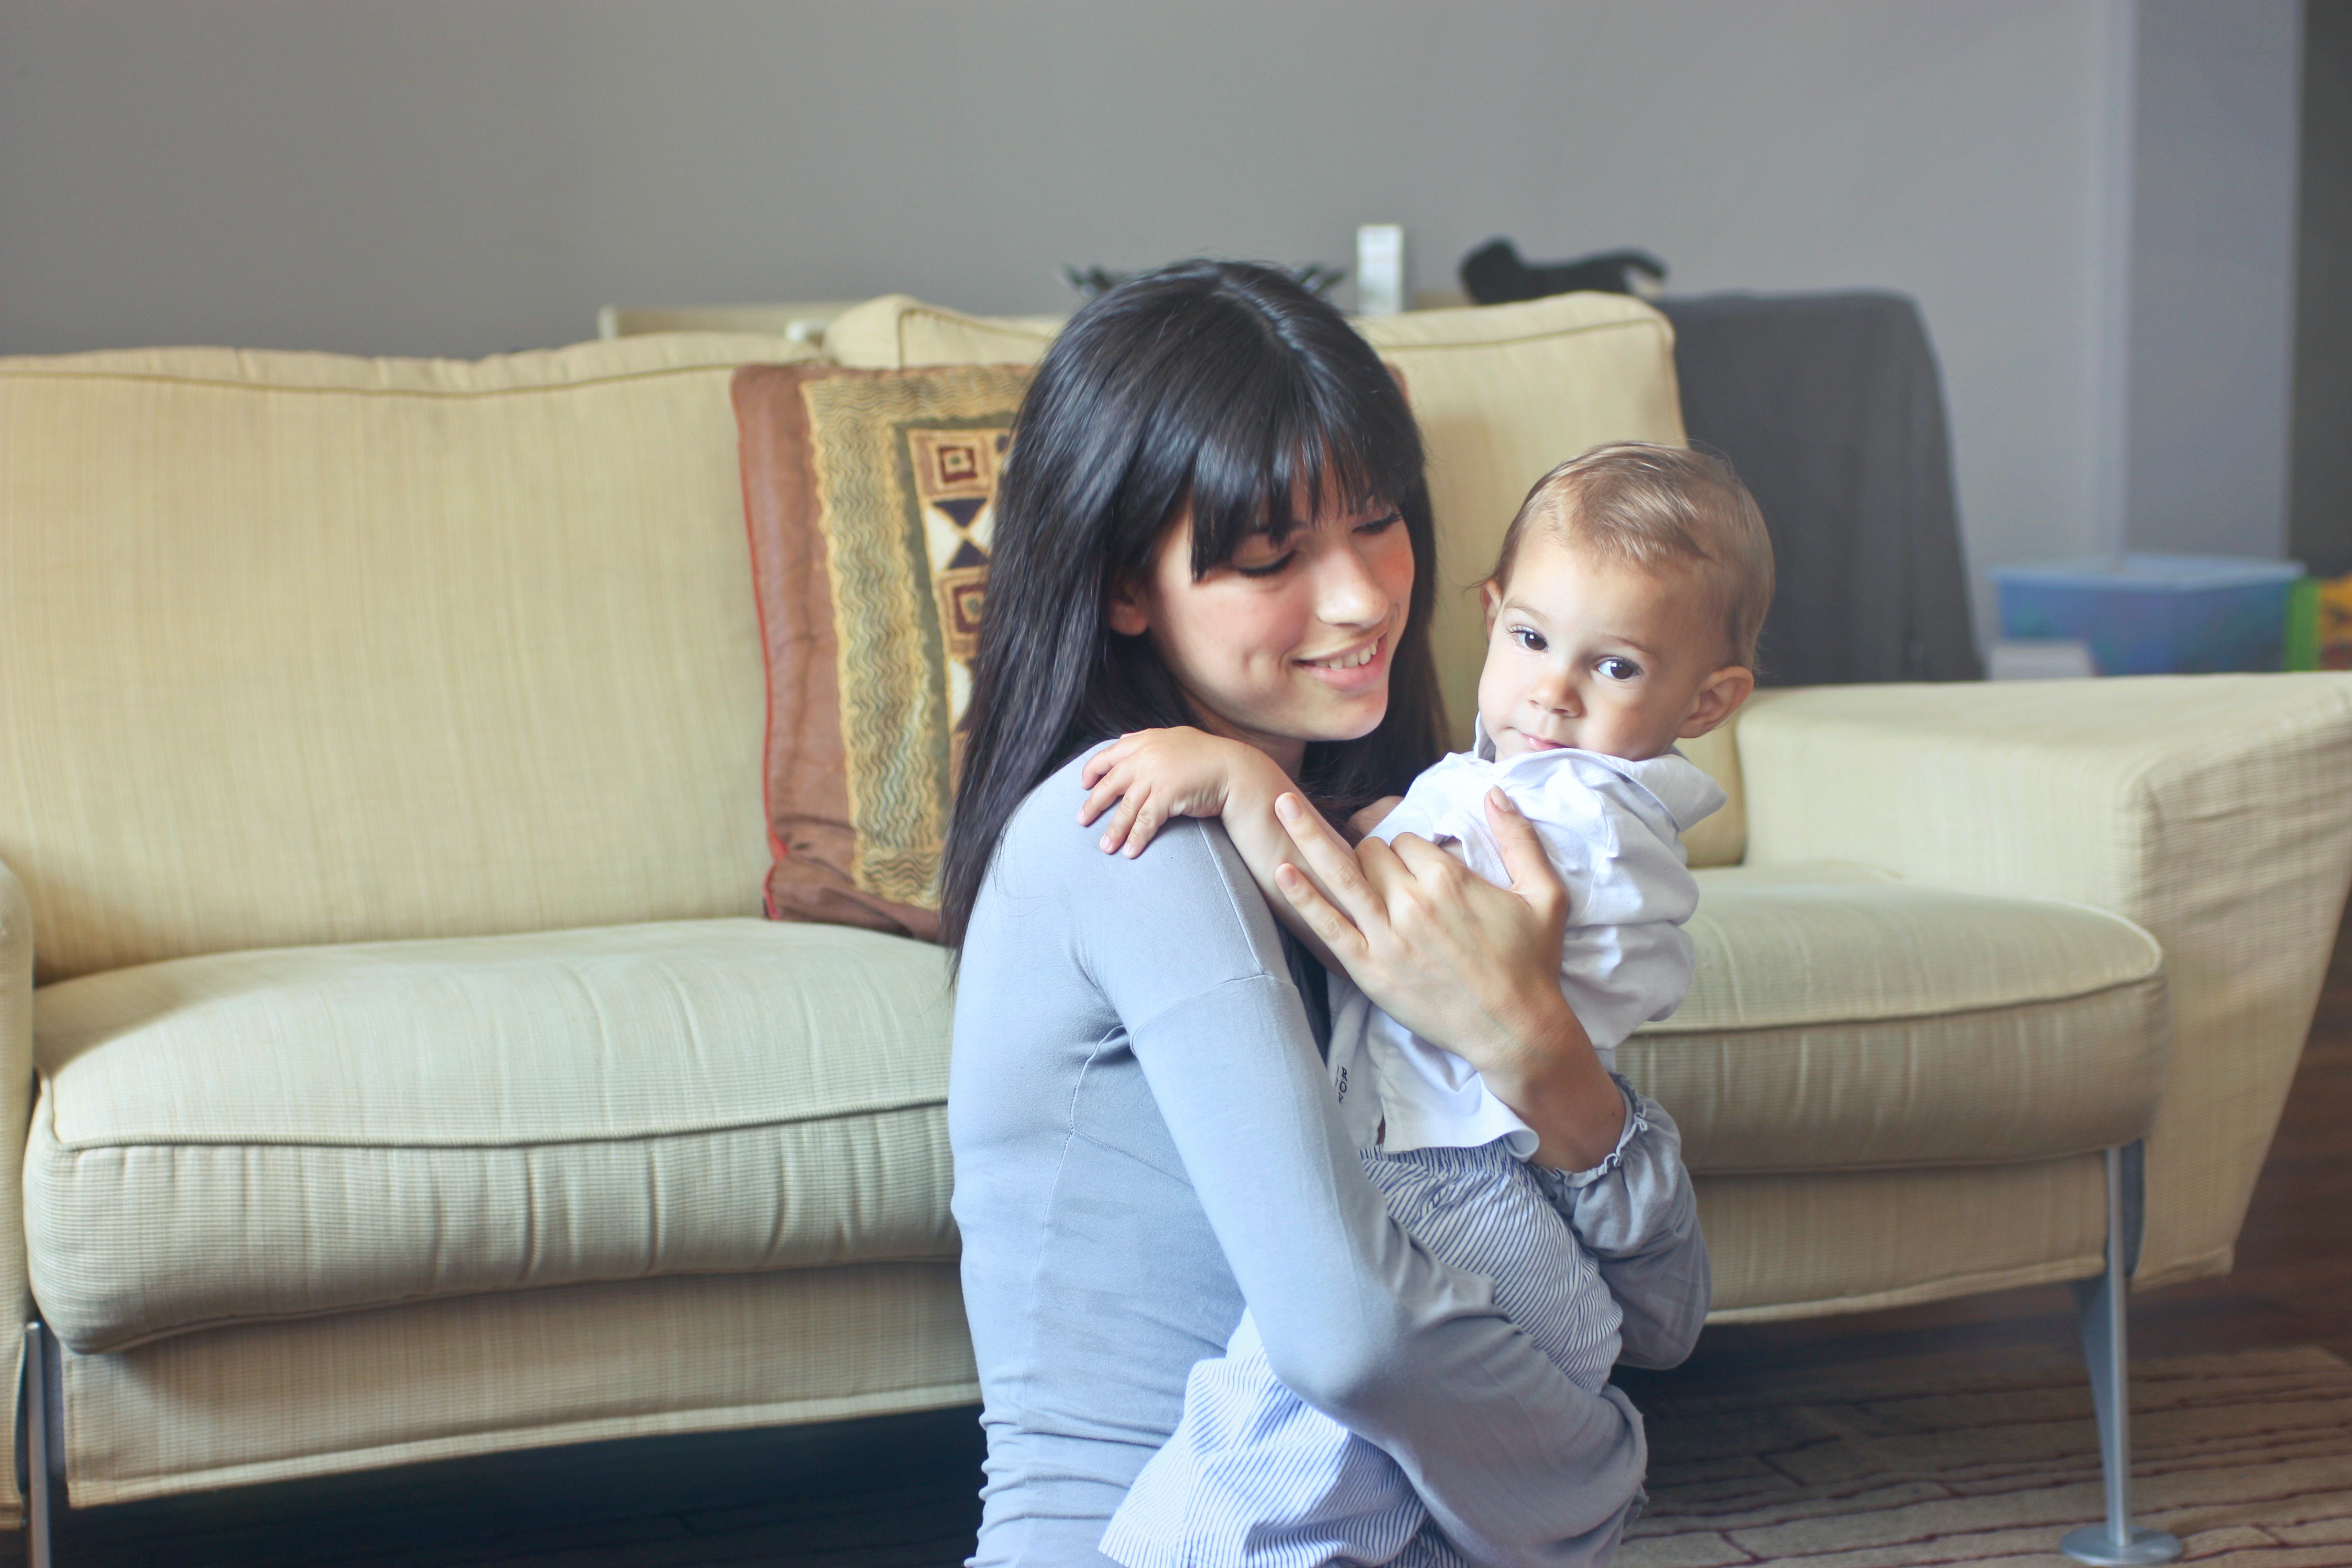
(300, 648)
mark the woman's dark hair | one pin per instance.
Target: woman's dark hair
(1222, 386)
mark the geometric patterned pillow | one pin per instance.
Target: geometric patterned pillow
(870, 498)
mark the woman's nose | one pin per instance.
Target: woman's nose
(1346, 593)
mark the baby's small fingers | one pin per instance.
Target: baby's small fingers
(1147, 820)
(1099, 800)
(1114, 829)
(1107, 759)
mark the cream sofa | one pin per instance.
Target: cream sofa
(381, 840)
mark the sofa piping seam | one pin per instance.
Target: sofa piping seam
(845, 1115)
(1649, 322)
(158, 379)
(2157, 977)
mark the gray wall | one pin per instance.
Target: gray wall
(462, 177)
(2321, 501)
(2212, 274)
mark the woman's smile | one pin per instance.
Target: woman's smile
(1352, 670)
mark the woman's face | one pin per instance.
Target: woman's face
(1285, 644)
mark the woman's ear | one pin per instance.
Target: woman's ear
(1128, 615)
(1719, 697)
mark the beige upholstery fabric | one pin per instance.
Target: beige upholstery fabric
(1721, 839)
(309, 1129)
(1838, 1019)
(1502, 393)
(521, 1369)
(16, 1087)
(896, 332)
(486, 1374)
(2214, 811)
(1794, 1245)
(299, 648)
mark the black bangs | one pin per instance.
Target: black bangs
(1238, 394)
(1287, 440)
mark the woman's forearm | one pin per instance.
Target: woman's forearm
(1553, 1079)
(1263, 843)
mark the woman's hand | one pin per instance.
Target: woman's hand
(1466, 963)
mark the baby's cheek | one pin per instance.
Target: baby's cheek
(1495, 693)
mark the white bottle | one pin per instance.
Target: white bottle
(1379, 269)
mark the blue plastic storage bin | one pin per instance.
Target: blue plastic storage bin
(2154, 614)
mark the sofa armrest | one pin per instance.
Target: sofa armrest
(15, 1115)
(2215, 811)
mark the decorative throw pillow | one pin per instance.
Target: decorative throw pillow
(868, 494)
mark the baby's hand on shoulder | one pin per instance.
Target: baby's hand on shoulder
(1146, 777)
(1360, 825)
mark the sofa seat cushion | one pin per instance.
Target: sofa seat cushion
(298, 1131)
(1841, 1019)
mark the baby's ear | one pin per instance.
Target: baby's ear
(1490, 599)
(1719, 697)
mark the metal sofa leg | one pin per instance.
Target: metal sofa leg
(2099, 1305)
(44, 1432)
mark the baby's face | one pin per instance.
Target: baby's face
(1600, 656)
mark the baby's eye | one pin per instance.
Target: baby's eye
(1620, 668)
(1529, 638)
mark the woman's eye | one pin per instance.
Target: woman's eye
(1380, 524)
(1266, 568)
(1620, 668)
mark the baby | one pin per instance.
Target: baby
(1622, 616)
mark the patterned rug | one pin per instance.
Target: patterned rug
(2246, 1457)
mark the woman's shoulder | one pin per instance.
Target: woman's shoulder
(1190, 880)
(1052, 805)
(1044, 839)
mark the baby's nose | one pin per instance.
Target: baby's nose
(1559, 696)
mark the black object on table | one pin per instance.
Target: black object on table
(1495, 274)
(1831, 408)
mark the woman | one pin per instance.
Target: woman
(1213, 513)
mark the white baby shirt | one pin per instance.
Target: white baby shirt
(1613, 830)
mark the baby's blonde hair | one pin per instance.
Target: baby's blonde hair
(1657, 507)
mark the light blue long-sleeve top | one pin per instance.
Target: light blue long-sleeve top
(1145, 1141)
